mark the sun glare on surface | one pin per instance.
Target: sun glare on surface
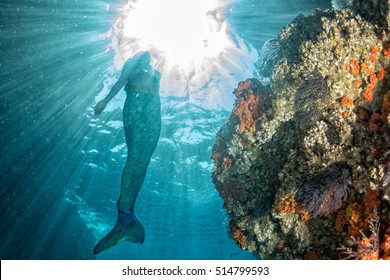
(182, 31)
(190, 42)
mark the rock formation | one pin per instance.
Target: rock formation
(303, 164)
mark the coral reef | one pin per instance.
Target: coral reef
(303, 163)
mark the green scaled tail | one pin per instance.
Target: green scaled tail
(127, 228)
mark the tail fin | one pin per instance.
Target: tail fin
(127, 228)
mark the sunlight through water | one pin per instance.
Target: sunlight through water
(61, 165)
(191, 44)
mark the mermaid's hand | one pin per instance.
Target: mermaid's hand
(100, 107)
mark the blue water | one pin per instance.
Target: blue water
(60, 166)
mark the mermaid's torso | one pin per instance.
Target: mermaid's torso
(142, 106)
(144, 81)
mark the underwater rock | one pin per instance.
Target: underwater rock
(341, 4)
(303, 163)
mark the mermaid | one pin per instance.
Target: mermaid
(142, 125)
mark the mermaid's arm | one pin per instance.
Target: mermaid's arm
(126, 72)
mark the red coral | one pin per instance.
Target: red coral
(340, 220)
(363, 114)
(239, 235)
(371, 200)
(363, 247)
(362, 213)
(386, 105)
(281, 246)
(252, 102)
(376, 124)
(312, 255)
(377, 151)
(379, 120)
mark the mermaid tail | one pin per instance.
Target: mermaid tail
(142, 124)
(127, 228)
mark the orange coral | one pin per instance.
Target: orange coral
(375, 50)
(355, 68)
(345, 101)
(287, 205)
(366, 69)
(373, 79)
(385, 245)
(381, 74)
(368, 94)
(363, 247)
(251, 103)
(246, 114)
(367, 250)
(357, 83)
(345, 114)
(305, 216)
(372, 58)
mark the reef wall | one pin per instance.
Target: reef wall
(303, 163)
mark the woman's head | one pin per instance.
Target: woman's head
(143, 57)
